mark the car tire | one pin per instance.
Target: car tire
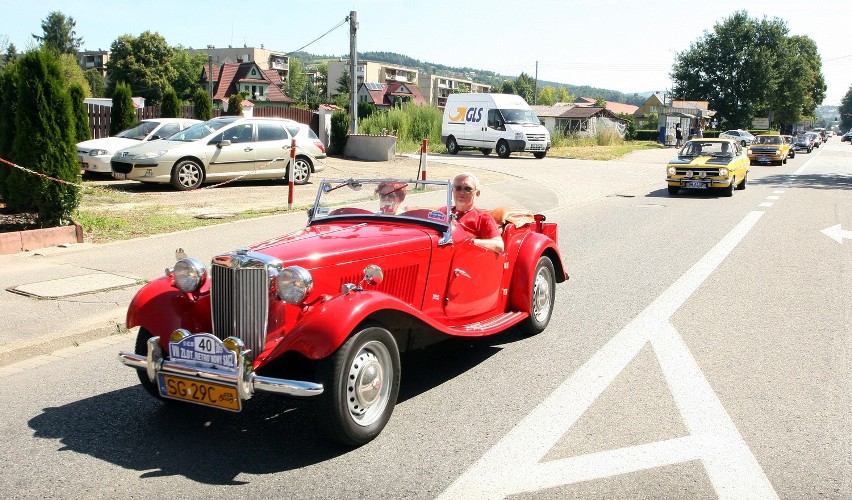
(141, 349)
(792, 154)
(503, 150)
(485, 151)
(542, 295)
(302, 172)
(742, 185)
(727, 192)
(361, 384)
(187, 175)
(673, 190)
(540, 155)
(744, 143)
(452, 146)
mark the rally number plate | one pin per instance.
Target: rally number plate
(199, 392)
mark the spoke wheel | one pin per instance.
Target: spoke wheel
(362, 384)
(302, 172)
(187, 175)
(541, 297)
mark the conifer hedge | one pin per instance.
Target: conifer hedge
(82, 130)
(123, 113)
(202, 109)
(171, 104)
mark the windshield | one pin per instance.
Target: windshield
(199, 131)
(520, 116)
(139, 131)
(402, 200)
(722, 149)
(769, 139)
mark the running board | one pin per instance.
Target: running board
(490, 325)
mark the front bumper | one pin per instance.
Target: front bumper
(243, 379)
(694, 183)
(100, 164)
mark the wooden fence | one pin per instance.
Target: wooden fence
(99, 116)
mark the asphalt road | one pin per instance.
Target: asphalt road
(701, 349)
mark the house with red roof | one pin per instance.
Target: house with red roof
(387, 95)
(261, 86)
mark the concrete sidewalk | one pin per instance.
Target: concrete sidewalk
(56, 298)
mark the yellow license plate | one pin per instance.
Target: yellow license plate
(199, 392)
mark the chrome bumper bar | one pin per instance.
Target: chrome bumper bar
(244, 379)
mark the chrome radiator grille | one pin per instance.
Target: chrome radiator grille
(239, 293)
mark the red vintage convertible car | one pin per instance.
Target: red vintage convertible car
(325, 311)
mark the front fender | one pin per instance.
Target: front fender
(534, 246)
(161, 308)
(327, 325)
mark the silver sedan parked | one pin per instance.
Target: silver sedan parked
(223, 149)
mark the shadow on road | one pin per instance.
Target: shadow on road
(134, 431)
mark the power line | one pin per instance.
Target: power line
(341, 23)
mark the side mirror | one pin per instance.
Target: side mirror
(155, 138)
(223, 143)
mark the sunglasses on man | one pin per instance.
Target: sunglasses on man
(466, 189)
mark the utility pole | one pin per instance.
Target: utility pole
(535, 87)
(210, 79)
(353, 65)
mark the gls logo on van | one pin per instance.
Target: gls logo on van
(466, 115)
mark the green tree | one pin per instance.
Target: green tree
(235, 105)
(845, 111)
(188, 68)
(44, 142)
(321, 82)
(508, 87)
(82, 130)
(339, 132)
(58, 33)
(525, 87)
(297, 81)
(171, 104)
(96, 82)
(562, 95)
(600, 102)
(202, 107)
(343, 84)
(546, 96)
(10, 55)
(745, 68)
(123, 112)
(144, 62)
(73, 74)
(8, 105)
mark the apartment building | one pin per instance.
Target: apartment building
(93, 59)
(436, 88)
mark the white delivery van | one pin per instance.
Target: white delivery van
(504, 122)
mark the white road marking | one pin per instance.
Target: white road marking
(772, 197)
(514, 464)
(765, 204)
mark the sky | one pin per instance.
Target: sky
(623, 45)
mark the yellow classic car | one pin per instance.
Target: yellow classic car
(708, 164)
(769, 148)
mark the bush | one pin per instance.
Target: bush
(82, 130)
(203, 108)
(235, 105)
(8, 104)
(339, 132)
(123, 113)
(171, 104)
(44, 142)
(410, 124)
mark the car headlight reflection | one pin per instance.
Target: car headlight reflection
(98, 152)
(672, 171)
(149, 155)
(723, 172)
(189, 274)
(293, 284)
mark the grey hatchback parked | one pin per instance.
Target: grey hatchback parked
(222, 149)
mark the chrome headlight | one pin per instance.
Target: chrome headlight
(150, 155)
(519, 136)
(672, 171)
(723, 172)
(98, 152)
(293, 284)
(189, 274)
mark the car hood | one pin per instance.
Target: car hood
(332, 244)
(111, 144)
(702, 160)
